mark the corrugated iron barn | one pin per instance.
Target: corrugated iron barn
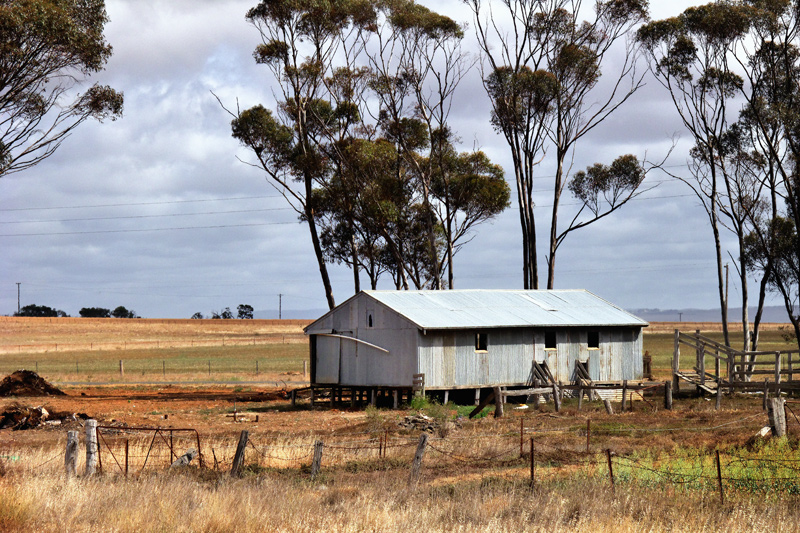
(472, 339)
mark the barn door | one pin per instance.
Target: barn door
(328, 355)
(552, 363)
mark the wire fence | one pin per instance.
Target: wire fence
(535, 454)
(47, 347)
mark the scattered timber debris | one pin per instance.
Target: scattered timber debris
(27, 383)
(19, 417)
(422, 422)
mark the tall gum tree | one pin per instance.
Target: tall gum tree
(690, 56)
(49, 49)
(299, 42)
(542, 69)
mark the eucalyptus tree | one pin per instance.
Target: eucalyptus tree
(469, 190)
(417, 64)
(299, 42)
(689, 55)
(769, 57)
(542, 67)
(49, 49)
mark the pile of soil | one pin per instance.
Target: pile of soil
(27, 383)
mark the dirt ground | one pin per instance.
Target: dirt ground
(268, 411)
(208, 409)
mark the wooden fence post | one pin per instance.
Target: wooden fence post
(668, 395)
(121, 369)
(718, 402)
(610, 470)
(91, 447)
(415, 466)
(766, 395)
(588, 432)
(238, 458)
(316, 464)
(533, 464)
(719, 480)
(71, 454)
(777, 417)
(498, 403)
(609, 408)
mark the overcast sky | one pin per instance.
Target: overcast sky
(155, 212)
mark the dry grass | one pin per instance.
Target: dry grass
(499, 500)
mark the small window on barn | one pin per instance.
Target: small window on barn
(369, 320)
(549, 340)
(481, 342)
(593, 340)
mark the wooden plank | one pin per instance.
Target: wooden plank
(486, 401)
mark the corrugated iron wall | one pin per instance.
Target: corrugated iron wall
(449, 358)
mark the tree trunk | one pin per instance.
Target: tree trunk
(312, 227)
(557, 188)
(354, 256)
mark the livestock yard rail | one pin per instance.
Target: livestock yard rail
(733, 369)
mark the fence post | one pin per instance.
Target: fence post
(91, 447)
(609, 408)
(588, 432)
(121, 369)
(668, 395)
(415, 466)
(533, 464)
(718, 402)
(316, 464)
(610, 470)
(238, 459)
(498, 402)
(766, 395)
(777, 417)
(71, 454)
(521, 436)
(719, 480)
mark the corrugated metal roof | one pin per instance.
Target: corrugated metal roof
(456, 309)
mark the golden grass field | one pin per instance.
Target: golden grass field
(473, 477)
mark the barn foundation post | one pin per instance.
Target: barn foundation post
(477, 396)
(395, 403)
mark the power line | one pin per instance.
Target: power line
(129, 217)
(49, 234)
(165, 202)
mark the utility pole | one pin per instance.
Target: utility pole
(18, 308)
(680, 317)
(280, 302)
